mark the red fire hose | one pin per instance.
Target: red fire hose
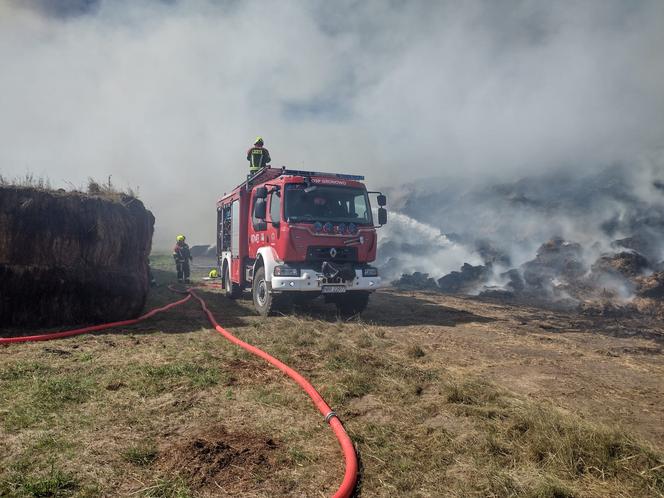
(348, 484)
(94, 328)
(350, 477)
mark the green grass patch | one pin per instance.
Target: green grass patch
(22, 370)
(54, 392)
(48, 443)
(349, 385)
(141, 455)
(299, 456)
(36, 393)
(169, 488)
(55, 483)
(156, 379)
(272, 395)
(196, 375)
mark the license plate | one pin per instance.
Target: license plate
(333, 289)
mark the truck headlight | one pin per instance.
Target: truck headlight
(370, 272)
(286, 271)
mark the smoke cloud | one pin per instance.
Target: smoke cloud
(168, 95)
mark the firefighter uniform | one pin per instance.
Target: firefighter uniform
(258, 156)
(182, 256)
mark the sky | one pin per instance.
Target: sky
(166, 96)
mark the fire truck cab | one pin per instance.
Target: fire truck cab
(291, 236)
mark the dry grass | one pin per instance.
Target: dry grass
(28, 180)
(106, 189)
(103, 415)
(110, 191)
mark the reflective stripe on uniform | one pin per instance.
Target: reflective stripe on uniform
(256, 160)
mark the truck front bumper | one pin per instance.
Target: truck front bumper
(313, 281)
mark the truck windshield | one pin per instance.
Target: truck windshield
(327, 203)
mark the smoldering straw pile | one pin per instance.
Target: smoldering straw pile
(569, 239)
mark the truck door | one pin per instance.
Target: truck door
(273, 228)
(257, 229)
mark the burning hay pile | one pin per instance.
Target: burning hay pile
(593, 242)
(559, 273)
(67, 257)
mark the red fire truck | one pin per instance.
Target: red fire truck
(291, 236)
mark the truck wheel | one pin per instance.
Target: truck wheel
(352, 303)
(232, 290)
(263, 298)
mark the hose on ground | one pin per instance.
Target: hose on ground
(347, 486)
(93, 328)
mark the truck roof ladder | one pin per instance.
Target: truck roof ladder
(271, 173)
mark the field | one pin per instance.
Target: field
(443, 396)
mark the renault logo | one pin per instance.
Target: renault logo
(333, 253)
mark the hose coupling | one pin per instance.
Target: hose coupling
(329, 416)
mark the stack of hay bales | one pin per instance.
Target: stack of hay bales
(68, 258)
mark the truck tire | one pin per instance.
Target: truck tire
(352, 303)
(233, 291)
(264, 301)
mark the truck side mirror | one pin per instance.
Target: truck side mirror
(382, 216)
(261, 193)
(382, 200)
(260, 209)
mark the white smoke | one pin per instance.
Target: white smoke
(407, 245)
(167, 96)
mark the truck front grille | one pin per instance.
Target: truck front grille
(337, 254)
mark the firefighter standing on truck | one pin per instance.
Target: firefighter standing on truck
(258, 156)
(182, 256)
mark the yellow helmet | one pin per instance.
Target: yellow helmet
(258, 140)
(213, 274)
(180, 238)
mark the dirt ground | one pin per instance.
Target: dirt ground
(610, 369)
(442, 395)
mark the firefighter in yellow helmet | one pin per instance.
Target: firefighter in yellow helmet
(182, 257)
(258, 156)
